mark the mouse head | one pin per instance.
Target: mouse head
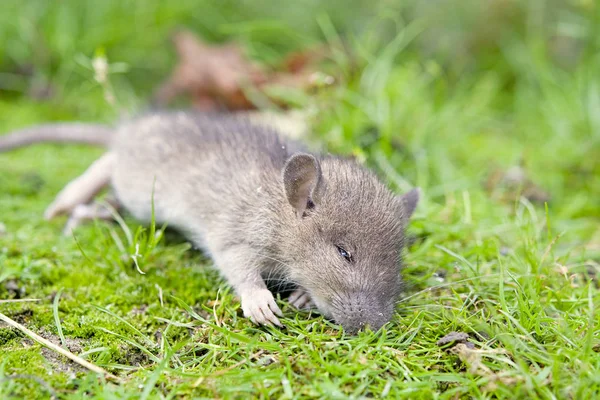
(345, 239)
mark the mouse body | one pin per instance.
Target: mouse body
(263, 207)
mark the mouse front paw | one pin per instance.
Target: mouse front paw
(259, 305)
(301, 300)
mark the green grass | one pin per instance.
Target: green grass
(446, 97)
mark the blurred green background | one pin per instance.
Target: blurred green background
(485, 67)
(461, 87)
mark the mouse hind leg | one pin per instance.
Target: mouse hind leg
(75, 199)
(83, 189)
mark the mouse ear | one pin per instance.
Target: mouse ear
(302, 181)
(409, 202)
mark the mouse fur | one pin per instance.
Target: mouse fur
(263, 207)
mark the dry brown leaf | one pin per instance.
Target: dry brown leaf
(472, 358)
(300, 60)
(514, 182)
(216, 76)
(455, 338)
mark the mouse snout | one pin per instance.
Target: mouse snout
(362, 310)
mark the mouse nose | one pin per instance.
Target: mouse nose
(361, 311)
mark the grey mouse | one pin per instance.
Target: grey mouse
(261, 207)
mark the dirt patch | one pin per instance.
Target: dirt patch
(141, 310)
(61, 364)
(22, 317)
(133, 356)
(58, 362)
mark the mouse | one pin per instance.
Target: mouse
(260, 205)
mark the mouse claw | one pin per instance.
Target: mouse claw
(260, 306)
(300, 299)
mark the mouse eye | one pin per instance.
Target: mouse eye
(344, 253)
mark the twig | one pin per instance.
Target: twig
(18, 301)
(58, 349)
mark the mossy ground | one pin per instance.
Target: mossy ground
(448, 99)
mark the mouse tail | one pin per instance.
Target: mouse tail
(58, 133)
